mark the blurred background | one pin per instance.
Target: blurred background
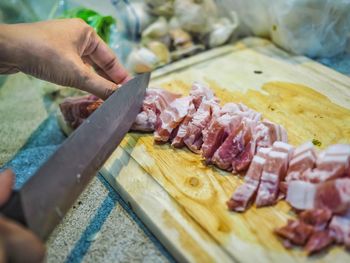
(152, 33)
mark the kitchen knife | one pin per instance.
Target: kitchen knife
(45, 198)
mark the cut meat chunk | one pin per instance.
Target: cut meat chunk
(155, 102)
(178, 141)
(200, 92)
(284, 147)
(200, 120)
(263, 152)
(76, 109)
(245, 193)
(318, 241)
(306, 147)
(299, 164)
(333, 195)
(171, 117)
(266, 133)
(295, 231)
(274, 171)
(340, 229)
(232, 146)
(319, 218)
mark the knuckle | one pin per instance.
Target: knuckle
(110, 64)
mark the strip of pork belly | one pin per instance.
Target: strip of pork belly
(200, 92)
(244, 194)
(200, 120)
(340, 229)
(155, 101)
(295, 231)
(171, 117)
(76, 109)
(333, 195)
(274, 171)
(178, 141)
(267, 133)
(318, 218)
(218, 129)
(242, 161)
(318, 241)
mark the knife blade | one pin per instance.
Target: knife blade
(45, 198)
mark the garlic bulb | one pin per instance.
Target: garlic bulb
(142, 60)
(157, 29)
(222, 30)
(194, 15)
(161, 7)
(180, 38)
(160, 50)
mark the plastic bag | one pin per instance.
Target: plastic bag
(316, 28)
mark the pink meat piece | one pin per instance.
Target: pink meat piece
(178, 141)
(155, 102)
(266, 133)
(296, 232)
(216, 133)
(76, 109)
(274, 171)
(242, 161)
(340, 229)
(200, 120)
(333, 195)
(299, 164)
(284, 147)
(171, 117)
(318, 218)
(318, 241)
(332, 163)
(245, 193)
(200, 92)
(233, 145)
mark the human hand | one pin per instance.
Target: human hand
(17, 244)
(61, 51)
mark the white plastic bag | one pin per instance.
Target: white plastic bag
(316, 28)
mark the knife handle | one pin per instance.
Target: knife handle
(13, 208)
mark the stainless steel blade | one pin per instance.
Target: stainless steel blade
(47, 195)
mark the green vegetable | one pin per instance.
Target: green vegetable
(101, 24)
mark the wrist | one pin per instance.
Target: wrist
(10, 51)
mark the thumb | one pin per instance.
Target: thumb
(6, 182)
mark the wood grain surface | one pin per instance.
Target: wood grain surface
(183, 201)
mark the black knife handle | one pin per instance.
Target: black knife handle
(13, 208)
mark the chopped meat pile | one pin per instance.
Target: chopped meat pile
(235, 138)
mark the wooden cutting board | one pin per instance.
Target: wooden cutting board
(182, 201)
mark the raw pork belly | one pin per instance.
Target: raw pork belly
(155, 102)
(171, 117)
(333, 195)
(76, 110)
(340, 229)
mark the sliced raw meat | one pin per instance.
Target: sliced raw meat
(267, 133)
(295, 231)
(200, 92)
(178, 141)
(284, 147)
(200, 120)
(318, 218)
(333, 195)
(245, 193)
(340, 229)
(318, 241)
(155, 102)
(171, 117)
(274, 171)
(299, 164)
(242, 161)
(76, 109)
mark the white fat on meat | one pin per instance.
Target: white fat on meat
(245, 193)
(280, 146)
(200, 92)
(340, 229)
(274, 172)
(333, 195)
(301, 195)
(171, 117)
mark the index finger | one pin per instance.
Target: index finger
(106, 60)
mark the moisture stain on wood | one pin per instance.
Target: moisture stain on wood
(203, 190)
